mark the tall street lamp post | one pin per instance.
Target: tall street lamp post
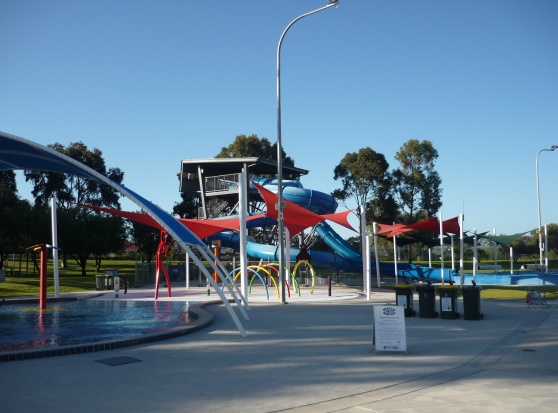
(552, 148)
(280, 203)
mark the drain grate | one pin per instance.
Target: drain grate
(528, 349)
(118, 361)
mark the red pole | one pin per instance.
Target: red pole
(216, 252)
(43, 272)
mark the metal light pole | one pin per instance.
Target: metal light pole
(280, 204)
(551, 149)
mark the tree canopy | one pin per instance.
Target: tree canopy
(22, 225)
(69, 189)
(248, 146)
(416, 183)
(82, 232)
(365, 179)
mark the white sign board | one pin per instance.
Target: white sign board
(445, 303)
(389, 328)
(116, 286)
(402, 301)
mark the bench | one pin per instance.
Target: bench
(535, 298)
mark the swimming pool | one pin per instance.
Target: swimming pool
(81, 326)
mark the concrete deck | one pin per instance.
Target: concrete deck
(314, 354)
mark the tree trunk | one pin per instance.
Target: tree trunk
(64, 262)
(82, 262)
(98, 260)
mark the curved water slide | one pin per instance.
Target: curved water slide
(344, 257)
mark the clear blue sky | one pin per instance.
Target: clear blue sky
(153, 82)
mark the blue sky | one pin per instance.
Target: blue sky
(153, 82)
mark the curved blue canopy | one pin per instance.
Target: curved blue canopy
(17, 153)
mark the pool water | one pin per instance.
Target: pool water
(24, 326)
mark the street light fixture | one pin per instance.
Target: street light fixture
(280, 203)
(551, 149)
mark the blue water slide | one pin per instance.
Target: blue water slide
(315, 201)
(336, 259)
(345, 250)
(327, 259)
(336, 243)
(344, 257)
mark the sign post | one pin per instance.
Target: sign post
(116, 285)
(389, 329)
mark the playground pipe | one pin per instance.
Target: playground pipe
(42, 274)
(43, 284)
(165, 242)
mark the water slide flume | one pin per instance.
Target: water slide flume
(307, 208)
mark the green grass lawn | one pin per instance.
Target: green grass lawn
(71, 280)
(516, 292)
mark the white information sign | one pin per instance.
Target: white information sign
(446, 303)
(402, 301)
(389, 328)
(116, 286)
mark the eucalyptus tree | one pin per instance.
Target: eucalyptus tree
(416, 182)
(253, 146)
(71, 189)
(81, 231)
(365, 179)
(22, 225)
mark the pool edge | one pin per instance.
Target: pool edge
(205, 319)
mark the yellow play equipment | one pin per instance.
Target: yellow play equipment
(267, 269)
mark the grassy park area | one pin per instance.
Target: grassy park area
(71, 280)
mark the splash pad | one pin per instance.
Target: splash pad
(82, 326)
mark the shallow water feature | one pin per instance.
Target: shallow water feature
(25, 326)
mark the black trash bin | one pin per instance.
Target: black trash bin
(100, 282)
(448, 301)
(471, 303)
(404, 298)
(427, 301)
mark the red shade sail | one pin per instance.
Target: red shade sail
(203, 228)
(295, 217)
(449, 226)
(341, 218)
(132, 216)
(387, 228)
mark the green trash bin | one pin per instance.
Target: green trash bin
(404, 298)
(104, 282)
(100, 282)
(109, 282)
(471, 303)
(427, 301)
(448, 301)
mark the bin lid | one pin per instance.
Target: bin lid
(425, 287)
(449, 287)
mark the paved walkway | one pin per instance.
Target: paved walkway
(314, 354)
